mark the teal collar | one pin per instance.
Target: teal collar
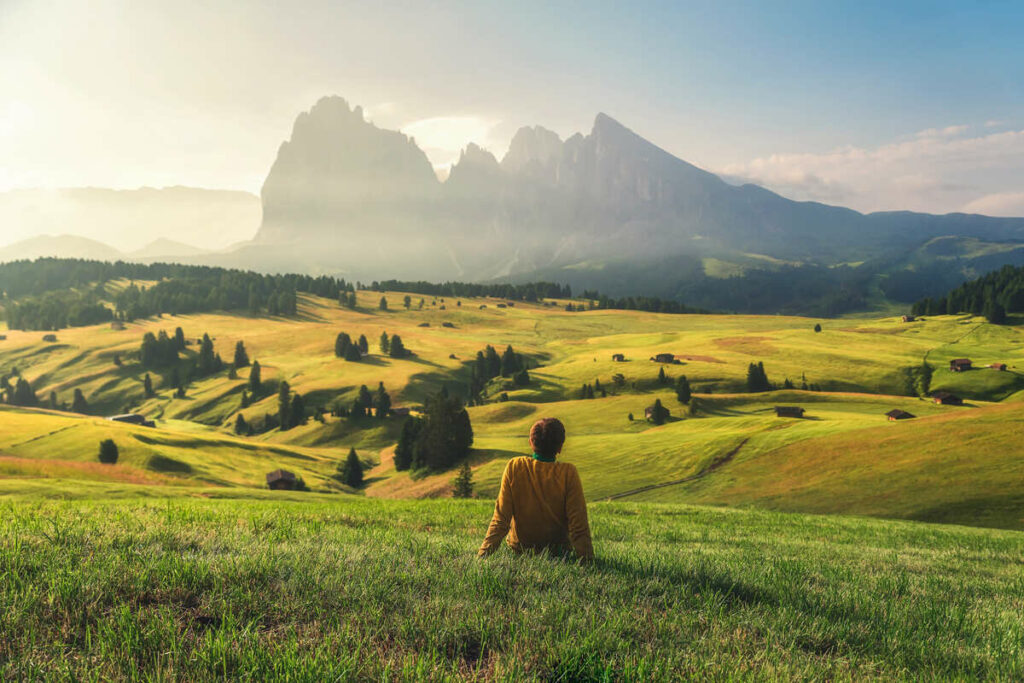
(543, 458)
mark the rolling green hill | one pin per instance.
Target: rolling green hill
(731, 441)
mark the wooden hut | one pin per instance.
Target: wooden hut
(960, 364)
(1001, 367)
(947, 399)
(897, 414)
(908, 318)
(664, 358)
(282, 480)
(618, 358)
(789, 411)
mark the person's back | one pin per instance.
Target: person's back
(541, 505)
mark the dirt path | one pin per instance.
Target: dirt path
(717, 463)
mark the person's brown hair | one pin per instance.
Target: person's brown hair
(547, 437)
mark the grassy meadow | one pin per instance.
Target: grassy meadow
(177, 563)
(345, 588)
(953, 464)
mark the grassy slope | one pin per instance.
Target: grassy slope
(353, 589)
(613, 454)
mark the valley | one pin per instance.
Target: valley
(950, 463)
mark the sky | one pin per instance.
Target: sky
(872, 105)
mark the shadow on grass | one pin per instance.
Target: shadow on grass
(699, 580)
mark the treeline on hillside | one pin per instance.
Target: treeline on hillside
(536, 291)
(991, 295)
(56, 300)
(531, 291)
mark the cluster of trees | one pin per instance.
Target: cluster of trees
(598, 301)
(531, 291)
(178, 289)
(345, 348)
(291, 407)
(757, 378)
(991, 295)
(392, 346)
(438, 440)
(488, 365)
(161, 350)
(592, 390)
(367, 404)
(57, 310)
(21, 393)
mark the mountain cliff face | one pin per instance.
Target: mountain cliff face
(344, 195)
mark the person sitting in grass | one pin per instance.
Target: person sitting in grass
(540, 505)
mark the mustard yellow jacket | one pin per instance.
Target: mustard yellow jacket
(540, 506)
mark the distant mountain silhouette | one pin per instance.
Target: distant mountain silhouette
(128, 220)
(345, 195)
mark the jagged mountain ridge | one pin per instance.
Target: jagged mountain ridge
(346, 195)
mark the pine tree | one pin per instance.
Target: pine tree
(24, 395)
(255, 379)
(662, 379)
(383, 305)
(353, 354)
(206, 360)
(298, 411)
(463, 482)
(241, 355)
(382, 402)
(364, 346)
(995, 313)
(232, 372)
(365, 400)
(385, 343)
(659, 413)
(817, 327)
(53, 400)
(108, 452)
(683, 392)
(351, 470)
(407, 443)
(78, 403)
(245, 399)
(509, 362)
(341, 344)
(147, 386)
(241, 426)
(406, 301)
(284, 406)
(179, 339)
(397, 348)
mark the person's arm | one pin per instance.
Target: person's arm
(502, 518)
(576, 513)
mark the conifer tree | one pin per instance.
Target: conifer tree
(241, 355)
(255, 379)
(179, 339)
(351, 470)
(108, 452)
(284, 406)
(385, 343)
(407, 443)
(397, 349)
(365, 399)
(241, 426)
(53, 400)
(662, 379)
(659, 413)
(382, 402)
(78, 403)
(147, 386)
(463, 483)
(383, 305)
(341, 344)
(298, 411)
(683, 392)
(353, 354)
(364, 346)
(406, 301)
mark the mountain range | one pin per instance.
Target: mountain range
(607, 209)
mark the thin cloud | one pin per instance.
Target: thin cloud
(936, 171)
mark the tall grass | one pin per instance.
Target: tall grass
(273, 590)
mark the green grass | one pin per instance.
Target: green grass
(860, 363)
(354, 589)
